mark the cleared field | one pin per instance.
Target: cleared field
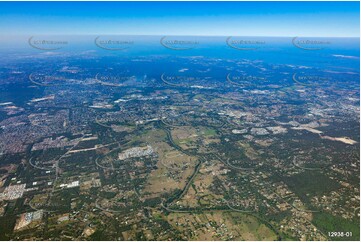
(199, 193)
(190, 137)
(221, 226)
(173, 167)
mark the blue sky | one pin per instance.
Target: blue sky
(324, 19)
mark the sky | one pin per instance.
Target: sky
(310, 19)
